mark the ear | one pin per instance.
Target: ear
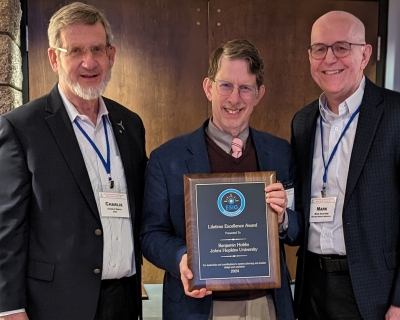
(51, 52)
(207, 83)
(261, 92)
(367, 51)
(111, 55)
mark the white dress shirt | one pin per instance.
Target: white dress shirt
(118, 252)
(327, 237)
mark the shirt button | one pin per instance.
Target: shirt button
(97, 232)
(114, 265)
(96, 271)
(117, 238)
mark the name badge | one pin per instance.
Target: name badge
(113, 205)
(322, 209)
(289, 188)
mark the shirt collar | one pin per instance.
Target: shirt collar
(223, 139)
(73, 113)
(347, 107)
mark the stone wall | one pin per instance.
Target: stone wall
(10, 55)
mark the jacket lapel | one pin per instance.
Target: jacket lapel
(310, 126)
(264, 157)
(123, 147)
(369, 118)
(61, 128)
(197, 161)
(303, 139)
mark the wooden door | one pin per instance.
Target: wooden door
(162, 59)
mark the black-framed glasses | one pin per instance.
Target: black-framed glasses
(225, 88)
(78, 53)
(340, 49)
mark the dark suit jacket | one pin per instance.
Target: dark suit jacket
(371, 211)
(48, 213)
(163, 232)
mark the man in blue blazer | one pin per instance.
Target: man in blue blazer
(64, 252)
(347, 148)
(234, 87)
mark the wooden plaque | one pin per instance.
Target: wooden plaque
(231, 233)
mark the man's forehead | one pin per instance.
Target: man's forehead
(83, 33)
(234, 65)
(337, 25)
(335, 32)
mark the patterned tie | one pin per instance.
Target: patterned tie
(237, 146)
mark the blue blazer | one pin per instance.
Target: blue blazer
(48, 212)
(163, 233)
(371, 210)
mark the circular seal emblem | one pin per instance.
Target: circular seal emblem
(231, 202)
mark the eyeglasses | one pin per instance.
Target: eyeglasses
(78, 53)
(225, 88)
(339, 49)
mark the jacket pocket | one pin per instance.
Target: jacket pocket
(173, 288)
(40, 270)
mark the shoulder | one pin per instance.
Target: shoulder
(115, 107)
(306, 112)
(388, 96)
(268, 138)
(28, 113)
(378, 99)
(267, 142)
(181, 142)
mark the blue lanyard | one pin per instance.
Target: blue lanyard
(324, 178)
(106, 164)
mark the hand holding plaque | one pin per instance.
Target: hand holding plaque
(231, 233)
(186, 276)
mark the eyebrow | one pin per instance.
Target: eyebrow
(250, 85)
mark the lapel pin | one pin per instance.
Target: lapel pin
(120, 124)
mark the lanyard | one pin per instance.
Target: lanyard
(324, 178)
(106, 164)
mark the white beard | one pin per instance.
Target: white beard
(90, 93)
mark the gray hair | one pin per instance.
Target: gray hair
(76, 13)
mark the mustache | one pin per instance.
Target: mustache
(86, 93)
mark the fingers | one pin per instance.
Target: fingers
(276, 197)
(201, 293)
(197, 293)
(186, 275)
(184, 269)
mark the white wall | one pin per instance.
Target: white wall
(392, 78)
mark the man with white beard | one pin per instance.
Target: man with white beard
(72, 171)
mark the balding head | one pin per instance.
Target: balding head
(351, 26)
(338, 55)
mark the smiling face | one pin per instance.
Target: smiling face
(231, 113)
(86, 77)
(339, 78)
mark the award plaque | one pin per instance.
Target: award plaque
(231, 233)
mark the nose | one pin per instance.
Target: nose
(330, 56)
(88, 60)
(234, 97)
